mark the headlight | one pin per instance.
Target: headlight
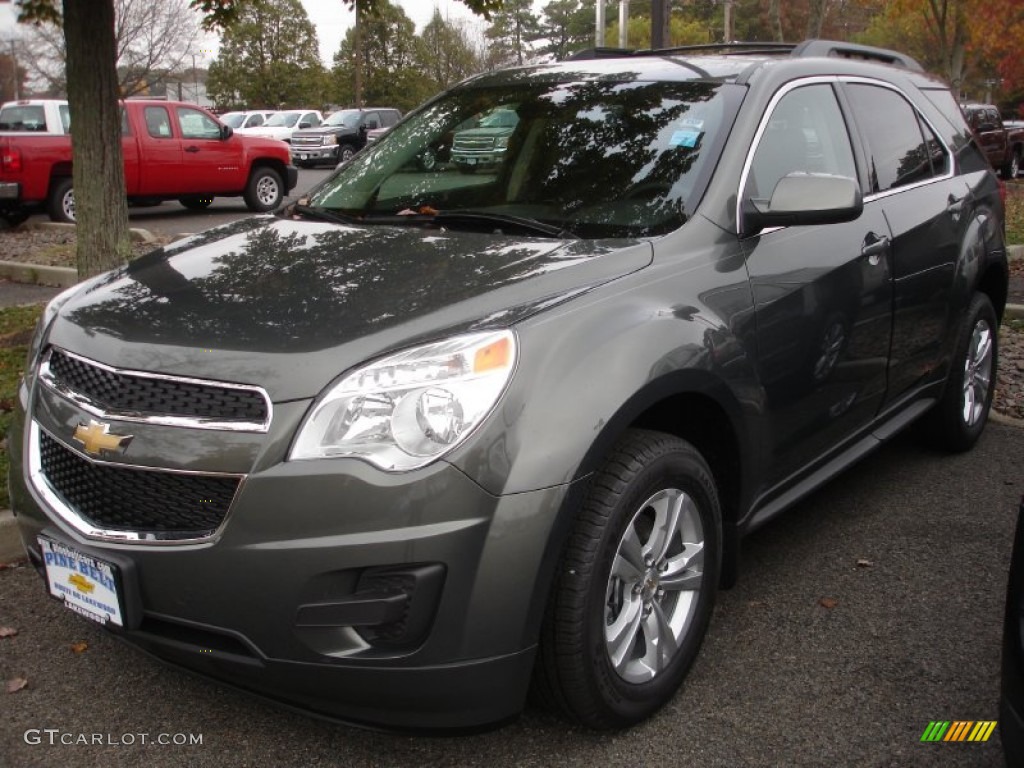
(409, 409)
(501, 142)
(330, 139)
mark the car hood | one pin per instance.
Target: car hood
(289, 305)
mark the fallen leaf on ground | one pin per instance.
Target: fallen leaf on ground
(862, 563)
(828, 602)
(79, 647)
(15, 685)
(14, 564)
(8, 631)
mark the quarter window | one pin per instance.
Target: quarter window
(806, 133)
(902, 149)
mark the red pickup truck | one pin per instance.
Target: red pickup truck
(172, 151)
(1003, 144)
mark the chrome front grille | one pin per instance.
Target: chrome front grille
(307, 141)
(162, 399)
(473, 143)
(120, 502)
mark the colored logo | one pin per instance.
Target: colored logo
(958, 730)
(82, 584)
(96, 438)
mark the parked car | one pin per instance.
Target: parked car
(245, 119)
(281, 125)
(1011, 707)
(172, 151)
(341, 135)
(35, 116)
(484, 145)
(1004, 145)
(424, 438)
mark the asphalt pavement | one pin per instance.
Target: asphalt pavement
(862, 614)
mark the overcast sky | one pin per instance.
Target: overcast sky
(330, 17)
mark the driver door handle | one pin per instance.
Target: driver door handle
(874, 248)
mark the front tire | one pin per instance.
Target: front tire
(345, 153)
(957, 420)
(636, 586)
(264, 191)
(61, 203)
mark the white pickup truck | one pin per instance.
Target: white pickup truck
(35, 116)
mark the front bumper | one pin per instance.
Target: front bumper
(310, 546)
(315, 154)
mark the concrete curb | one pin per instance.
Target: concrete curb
(62, 277)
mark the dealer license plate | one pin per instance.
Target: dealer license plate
(86, 584)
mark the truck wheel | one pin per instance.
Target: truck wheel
(345, 153)
(957, 420)
(634, 592)
(196, 202)
(1012, 168)
(61, 205)
(264, 191)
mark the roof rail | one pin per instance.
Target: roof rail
(854, 51)
(833, 48)
(725, 49)
(600, 53)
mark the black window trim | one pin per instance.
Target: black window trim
(853, 132)
(923, 119)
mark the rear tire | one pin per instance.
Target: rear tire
(957, 420)
(636, 586)
(1012, 168)
(265, 190)
(61, 203)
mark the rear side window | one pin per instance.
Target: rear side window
(158, 122)
(902, 149)
(805, 133)
(390, 118)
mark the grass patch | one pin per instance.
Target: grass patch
(16, 325)
(1015, 214)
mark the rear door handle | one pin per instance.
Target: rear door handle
(874, 248)
(193, 148)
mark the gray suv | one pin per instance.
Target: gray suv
(429, 440)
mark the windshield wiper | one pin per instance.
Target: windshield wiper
(324, 214)
(487, 217)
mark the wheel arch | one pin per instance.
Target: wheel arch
(690, 404)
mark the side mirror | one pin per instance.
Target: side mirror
(802, 199)
(305, 124)
(226, 132)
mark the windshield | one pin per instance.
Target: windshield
(348, 118)
(282, 120)
(232, 119)
(591, 158)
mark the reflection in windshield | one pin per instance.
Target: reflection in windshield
(597, 158)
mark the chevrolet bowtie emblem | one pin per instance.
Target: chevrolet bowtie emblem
(96, 438)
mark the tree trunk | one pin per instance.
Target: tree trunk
(357, 47)
(101, 208)
(775, 19)
(816, 18)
